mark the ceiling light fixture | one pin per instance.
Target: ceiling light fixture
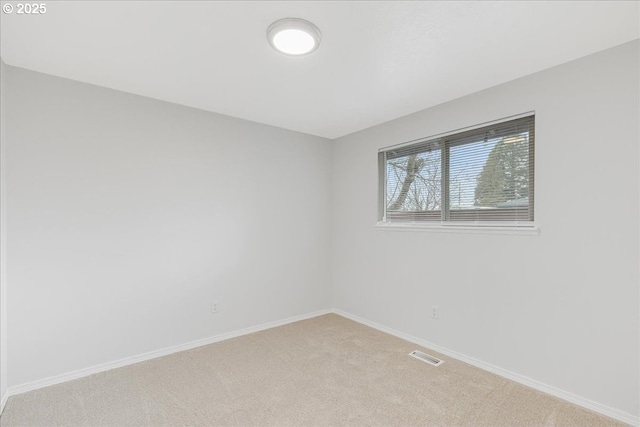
(293, 36)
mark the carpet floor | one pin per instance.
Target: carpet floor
(325, 371)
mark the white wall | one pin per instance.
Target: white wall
(127, 216)
(3, 239)
(561, 307)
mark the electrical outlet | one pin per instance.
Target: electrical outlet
(434, 312)
(215, 307)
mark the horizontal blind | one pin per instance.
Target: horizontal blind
(414, 186)
(484, 175)
(490, 170)
(420, 147)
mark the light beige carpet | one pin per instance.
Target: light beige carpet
(323, 371)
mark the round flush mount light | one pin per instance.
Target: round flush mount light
(293, 36)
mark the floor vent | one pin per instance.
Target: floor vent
(426, 358)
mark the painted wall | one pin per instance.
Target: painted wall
(128, 216)
(3, 237)
(561, 307)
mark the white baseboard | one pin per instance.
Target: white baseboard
(34, 385)
(570, 397)
(580, 401)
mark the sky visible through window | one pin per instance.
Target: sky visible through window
(464, 175)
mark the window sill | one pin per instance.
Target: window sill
(530, 230)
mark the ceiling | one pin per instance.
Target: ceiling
(377, 60)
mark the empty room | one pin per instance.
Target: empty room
(299, 213)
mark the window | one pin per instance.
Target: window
(480, 177)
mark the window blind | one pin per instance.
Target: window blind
(483, 176)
